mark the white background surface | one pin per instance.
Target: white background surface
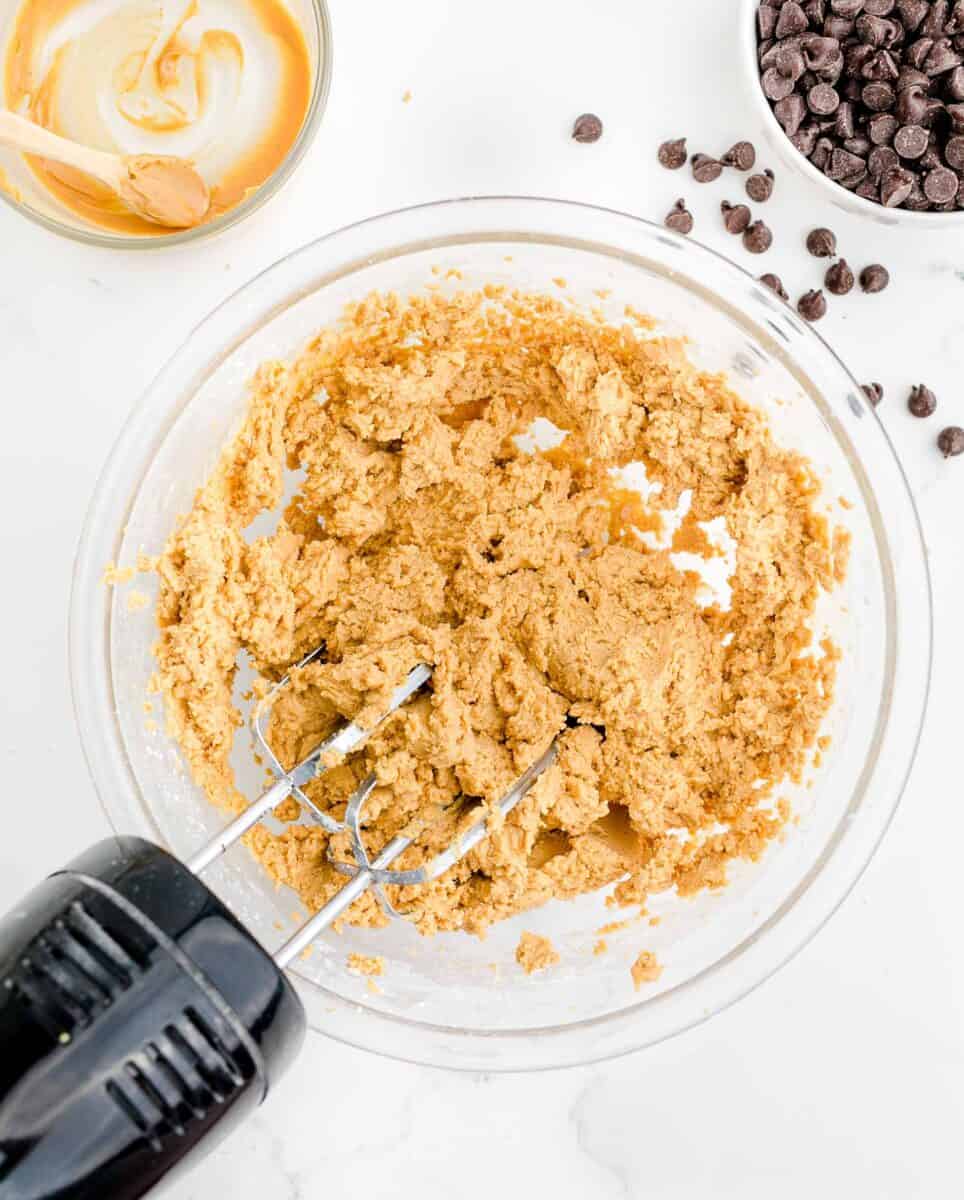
(844, 1075)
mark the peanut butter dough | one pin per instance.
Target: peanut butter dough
(535, 953)
(421, 532)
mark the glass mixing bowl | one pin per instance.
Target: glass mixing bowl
(453, 1000)
(21, 189)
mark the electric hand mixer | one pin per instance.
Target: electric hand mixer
(139, 1020)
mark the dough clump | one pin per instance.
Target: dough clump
(421, 532)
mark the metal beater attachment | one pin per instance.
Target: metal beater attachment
(364, 873)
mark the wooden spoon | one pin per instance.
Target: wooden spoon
(158, 187)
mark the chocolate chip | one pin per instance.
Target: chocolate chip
(672, 154)
(587, 128)
(821, 153)
(742, 155)
(760, 187)
(823, 100)
(950, 441)
(916, 53)
(820, 52)
(838, 28)
(847, 8)
(792, 20)
(868, 190)
(844, 125)
(776, 85)
(774, 283)
(942, 57)
(705, 168)
(816, 11)
(879, 8)
(757, 238)
(822, 243)
(954, 153)
(910, 76)
(859, 145)
(912, 12)
(789, 61)
(896, 184)
(954, 85)
(736, 217)
(839, 279)
(790, 112)
(880, 160)
(844, 165)
(812, 305)
(880, 65)
(881, 129)
(679, 218)
(910, 141)
(805, 139)
(933, 24)
(941, 185)
(873, 391)
(955, 113)
(930, 160)
(872, 31)
(878, 97)
(922, 402)
(911, 105)
(766, 21)
(874, 278)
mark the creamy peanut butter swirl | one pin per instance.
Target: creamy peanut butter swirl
(223, 84)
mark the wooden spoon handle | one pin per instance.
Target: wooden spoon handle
(20, 134)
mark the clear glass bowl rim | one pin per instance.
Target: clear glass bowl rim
(434, 227)
(271, 186)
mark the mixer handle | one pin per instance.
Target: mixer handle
(139, 1023)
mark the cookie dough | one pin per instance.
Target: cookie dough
(535, 953)
(646, 969)
(544, 592)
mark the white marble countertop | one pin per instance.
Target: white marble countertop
(842, 1075)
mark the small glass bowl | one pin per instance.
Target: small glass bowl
(21, 189)
(452, 1000)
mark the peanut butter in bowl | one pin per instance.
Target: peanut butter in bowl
(224, 85)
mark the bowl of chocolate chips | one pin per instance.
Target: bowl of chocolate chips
(866, 98)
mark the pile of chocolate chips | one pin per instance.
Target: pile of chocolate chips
(872, 92)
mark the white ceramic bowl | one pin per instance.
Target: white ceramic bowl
(791, 157)
(453, 1000)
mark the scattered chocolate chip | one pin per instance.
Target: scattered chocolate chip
(757, 237)
(705, 168)
(672, 154)
(839, 279)
(922, 402)
(896, 184)
(736, 217)
(812, 306)
(775, 284)
(950, 441)
(874, 392)
(587, 128)
(760, 187)
(679, 218)
(874, 278)
(822, 243)
(742, 155)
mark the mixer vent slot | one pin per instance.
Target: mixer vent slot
(179, 1077)
(71, 972)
